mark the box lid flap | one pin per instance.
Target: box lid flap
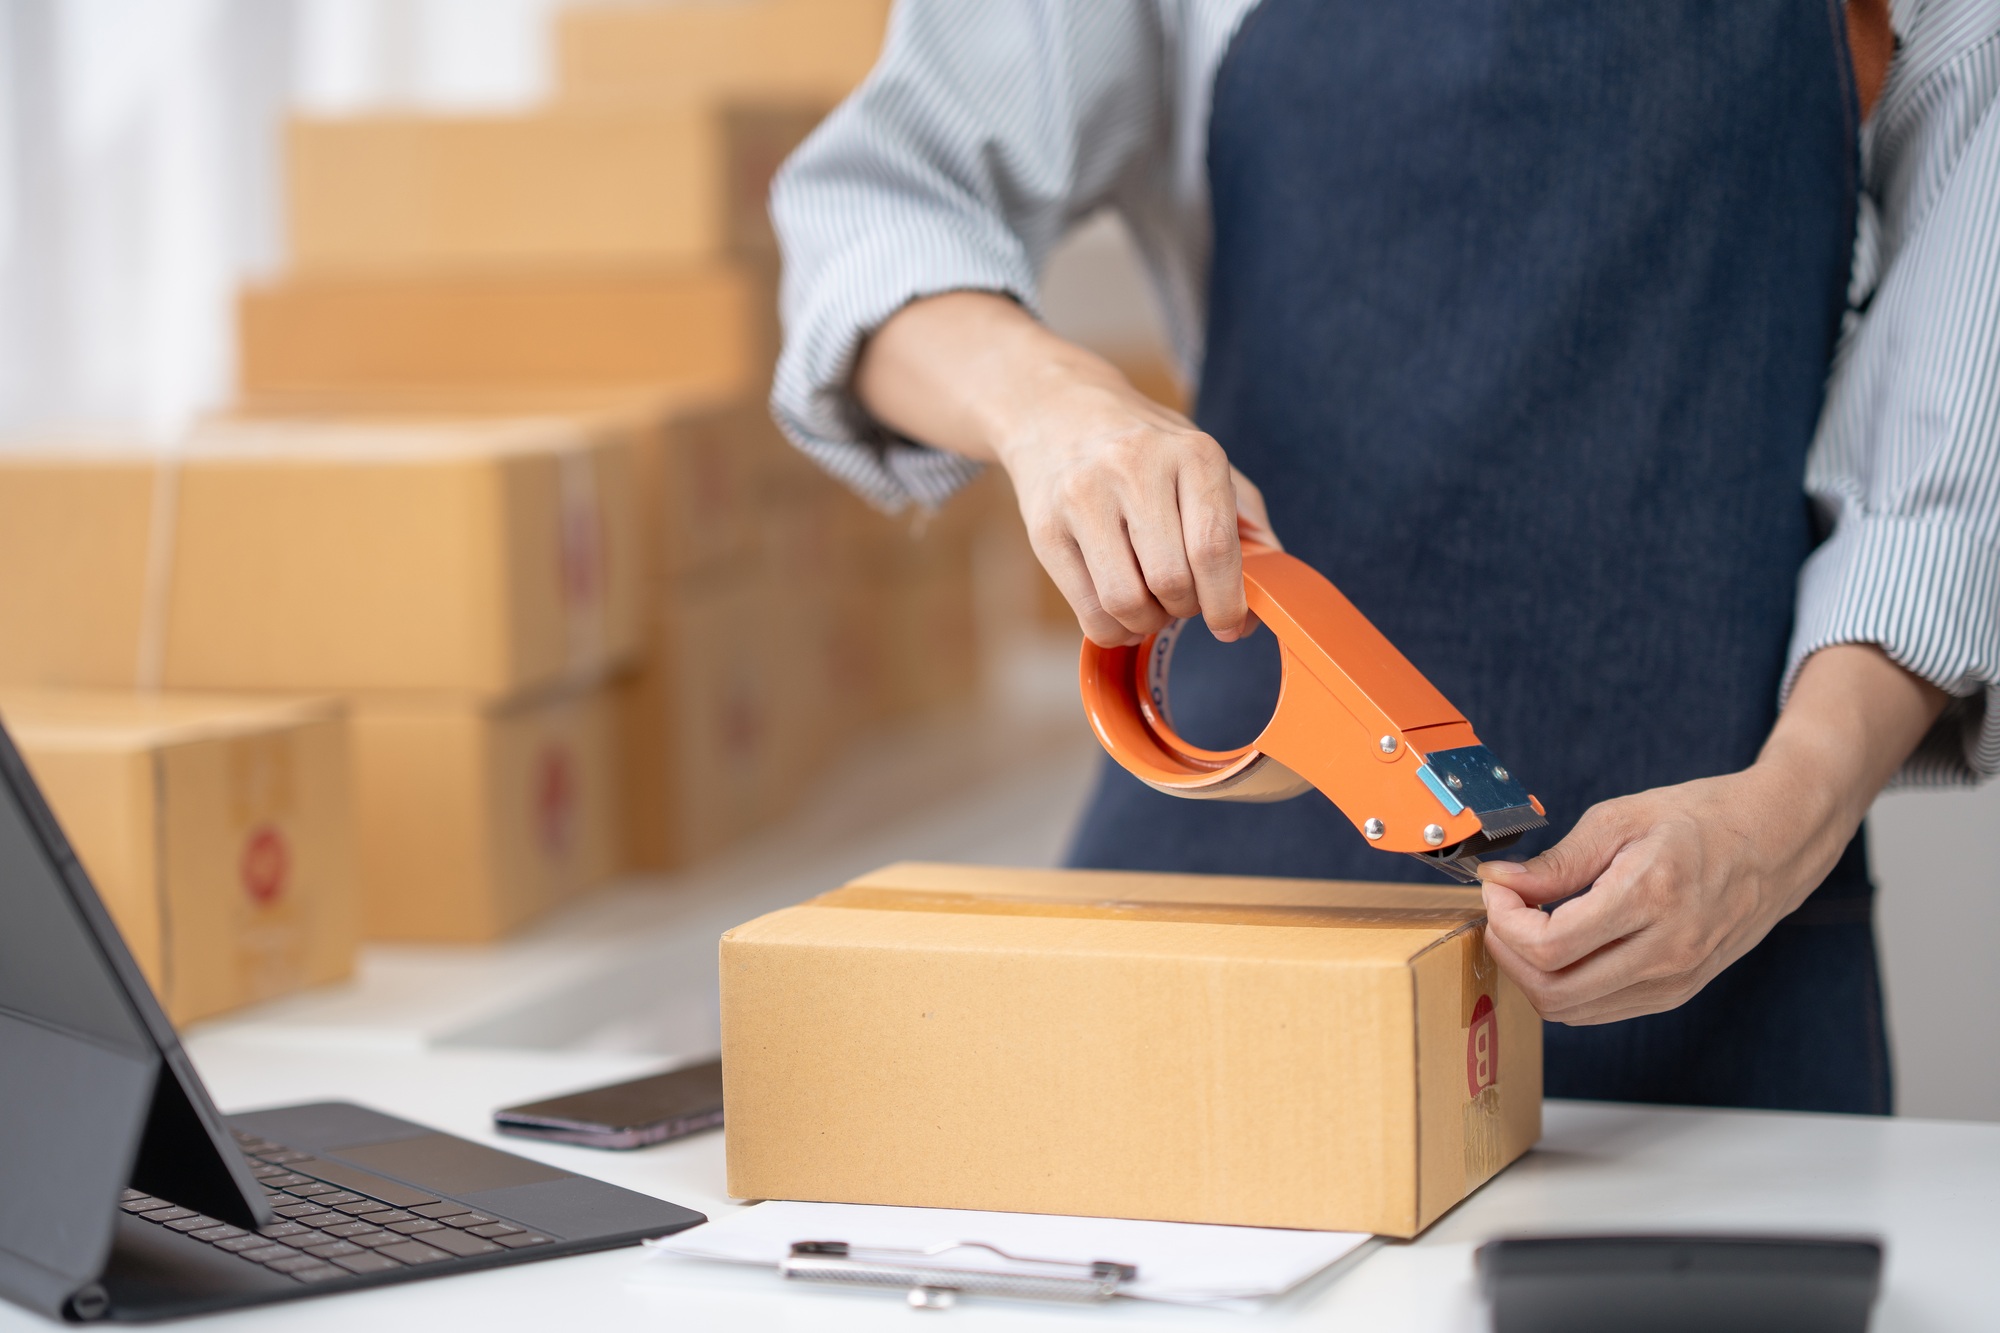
(134, 720)
(1092, 910)
(1455, 902)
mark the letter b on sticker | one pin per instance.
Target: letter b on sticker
(1482, 1048)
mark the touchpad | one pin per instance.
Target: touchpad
(448, 1165)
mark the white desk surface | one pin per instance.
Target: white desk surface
(1930, 1188)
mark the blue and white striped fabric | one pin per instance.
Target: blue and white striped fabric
(990, 127)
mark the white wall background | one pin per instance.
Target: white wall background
(139, 177)
(139, 174)
(1939, 918)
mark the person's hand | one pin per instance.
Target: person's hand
(1682, 881)
(1134, 512)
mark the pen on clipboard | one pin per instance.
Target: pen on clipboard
(934, 1283)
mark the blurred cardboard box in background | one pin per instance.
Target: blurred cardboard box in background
(698, 458)
(699, 487)
(218, 831)
(700, 721)
(313, 341)
(610, 186)
(473, 818)
(1192, 1048)
(484, 558)
(640, 609)
(717, 51)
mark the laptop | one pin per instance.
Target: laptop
(126, 1196)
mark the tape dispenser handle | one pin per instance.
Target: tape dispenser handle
(1353, 715)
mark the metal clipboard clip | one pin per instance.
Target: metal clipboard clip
(935, 1285)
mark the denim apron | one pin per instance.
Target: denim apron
(1520, 314)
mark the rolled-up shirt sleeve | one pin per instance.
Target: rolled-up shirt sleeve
(1905, 470)
(985, 131)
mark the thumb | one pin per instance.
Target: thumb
(1570, 866)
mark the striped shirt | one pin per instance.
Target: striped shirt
(989, 128)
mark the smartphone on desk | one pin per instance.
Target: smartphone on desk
(654, 1109)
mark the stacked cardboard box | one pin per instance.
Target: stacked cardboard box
(571, 250)
(803, 619)
(217, 831)
(611, 255)
(611, 184)
(468, 587)
(501, 479)
(476, 558)
(752, 50)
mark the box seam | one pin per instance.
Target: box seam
(162, 898)
(1417, 1098)
(1446, 939)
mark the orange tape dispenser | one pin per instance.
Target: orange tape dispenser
(1354, 719)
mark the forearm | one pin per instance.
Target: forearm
(1852, 719)
(1133, 511)
(1685, 880)
(967, 372)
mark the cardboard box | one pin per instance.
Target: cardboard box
(906, 638)
(839, 628)
(910, 607)
(474, 819)
(760, 48)
(217, 831)
(607, 185)
(701, 722)
(696, 460)
(697, 457)
(935, 655)
(696, 486)
(335, 340)
(1285, 1053)
(888, 615)
(835, 653)
(483, 558)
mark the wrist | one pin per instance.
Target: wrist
(1811, 804)
(1852, 719)
(1044, 389)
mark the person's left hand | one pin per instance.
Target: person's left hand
(1685, 880)
(1682, 882)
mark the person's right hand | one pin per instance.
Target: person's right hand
(1134, 512)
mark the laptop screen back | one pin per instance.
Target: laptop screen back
(52, 971)
(78, 1065)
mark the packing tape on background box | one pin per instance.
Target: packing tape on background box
(581, 551)
(870, 898)
(156, 596)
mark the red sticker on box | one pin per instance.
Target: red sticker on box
(265, 864)
(582, 552)
(555, 800)
(1482, 1048)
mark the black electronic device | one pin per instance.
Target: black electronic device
(126, 1194)
(633, 1114)
(1681, 1283)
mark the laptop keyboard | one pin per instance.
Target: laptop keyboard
(325, 1231)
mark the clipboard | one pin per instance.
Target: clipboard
(932, 1281)
(935, 1257)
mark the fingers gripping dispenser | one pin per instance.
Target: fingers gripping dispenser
(1354, 719)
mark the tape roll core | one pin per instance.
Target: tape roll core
(1155, 664)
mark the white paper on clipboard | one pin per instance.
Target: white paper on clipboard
(1181, 1263)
